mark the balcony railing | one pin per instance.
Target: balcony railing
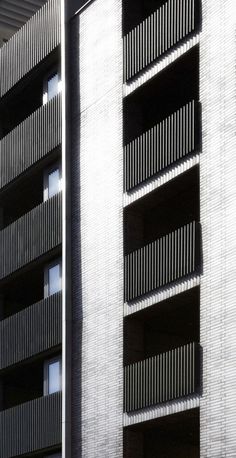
(29, 142)
(169, 258)
(162, 378)
(30, 45)
(166, 143)
(31, 236)
(167, 26)
(31, 331)
(30, 427)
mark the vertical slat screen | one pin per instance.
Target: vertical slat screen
(34, 234)
(29, 142)
(157, 34)
(161, 262)
(31, 427)
(164, 144)
(162, 378)
(31, 331)
(30, 45)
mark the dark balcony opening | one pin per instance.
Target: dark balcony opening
(26, 287)
(162, 327)
(27, 192)
(161, 212)
(136, 12)
(22, 291)
(26, 97)
(52, 452)
(27, 195)
(175, 435)
(173, 88)
(22, 384)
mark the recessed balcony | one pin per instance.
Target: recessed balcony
(34, 330)
(166, 260)
(30, 141)
(168, 142)
(158, 33)
(31, 426)
(30, 45)
(31, 236)
(165, 377)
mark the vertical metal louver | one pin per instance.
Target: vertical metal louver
(30, 427)
(29, 142)
(162, 378)
(168, 259)
(30, 45)
(164, 144)
(157, 34)
(34, 234)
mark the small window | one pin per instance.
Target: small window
(52, 182)
(52, 279)
(53, 83)
(52, 86)
(52, 376)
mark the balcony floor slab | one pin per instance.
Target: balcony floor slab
(163, 410)
(161, 179)
(184, 284)
(162, 64)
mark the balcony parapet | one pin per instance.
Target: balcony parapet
(30, 45)
(31, 331)
(163, 145)
(162, 262)
(157, 34)
(31, 141)
(30, 427)
(162, 378)
(31, 236)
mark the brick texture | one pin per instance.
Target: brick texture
(218, 218)
(97, 232)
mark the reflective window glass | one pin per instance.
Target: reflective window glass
(53, 86)
(54, 279)
(53, 183)
(54, 377)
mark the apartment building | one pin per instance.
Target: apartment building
(118, 234)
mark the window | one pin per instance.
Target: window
(52, 376)
(52, 86)
(52, 278)
(52, 181)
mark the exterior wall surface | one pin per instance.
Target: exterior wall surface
(97, 231)
(218, 218)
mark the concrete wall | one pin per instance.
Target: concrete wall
(97, 231)
(218, 218)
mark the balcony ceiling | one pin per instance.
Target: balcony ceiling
(15, 13)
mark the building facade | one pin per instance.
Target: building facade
(118, 234)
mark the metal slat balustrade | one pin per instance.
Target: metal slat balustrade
(30, 45)
(30, 141)
(162, 378)
(31, 331)
(157, 34)
(31, 236)
(31, 426)
(161, 262)
(164, 144)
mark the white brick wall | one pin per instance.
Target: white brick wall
(218, 218)
(101, 225)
